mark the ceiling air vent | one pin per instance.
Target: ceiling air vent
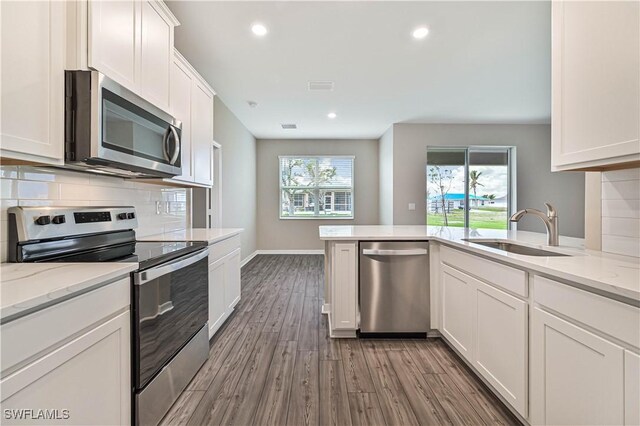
(289, 126)
(321, 86)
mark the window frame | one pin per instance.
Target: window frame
(350, 189)
(511, 151)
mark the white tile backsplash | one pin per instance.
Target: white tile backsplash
(621, 212)
(42, 186)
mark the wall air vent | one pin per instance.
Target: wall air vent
(289, 126)
(321, 86)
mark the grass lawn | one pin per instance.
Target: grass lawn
(479, 217)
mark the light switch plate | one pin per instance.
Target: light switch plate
(412, 206)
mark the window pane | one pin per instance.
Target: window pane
(445, 187)
(488, 189)
(319, 187)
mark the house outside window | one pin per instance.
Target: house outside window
(316, 187)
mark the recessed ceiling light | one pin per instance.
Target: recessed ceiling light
(420, 32)
(259, 29)
(332, 115)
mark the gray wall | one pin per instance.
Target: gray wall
(385, 174)
(535, 182)
(302, 234)
(239, 175)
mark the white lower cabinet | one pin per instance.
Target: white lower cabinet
(217, 302)
(85, 381)
(488, 327)
(576, 376)
(224, 281)
(500, 343)
(631, 388)
(457, 304)
(344, 285)
(232, 280)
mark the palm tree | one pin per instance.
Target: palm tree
(474, 176)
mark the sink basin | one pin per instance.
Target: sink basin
(513, 247)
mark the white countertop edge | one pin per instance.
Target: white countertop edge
(41, 301)
(568, 245)
(210, 235)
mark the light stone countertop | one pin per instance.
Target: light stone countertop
(609, 274)
(211, 235)
(29, 287)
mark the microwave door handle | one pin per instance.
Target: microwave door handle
(165, 144)
(141, 278)
(176, 152)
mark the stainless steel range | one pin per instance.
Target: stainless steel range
(169, 291)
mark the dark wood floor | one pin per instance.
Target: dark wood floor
(273, 363)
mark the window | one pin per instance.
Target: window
(316, 187)
(471, 187)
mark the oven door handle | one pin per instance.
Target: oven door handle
(141, 278)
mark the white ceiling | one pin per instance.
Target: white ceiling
(482, 62)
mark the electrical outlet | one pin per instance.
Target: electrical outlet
(158, 207)
(412, 206)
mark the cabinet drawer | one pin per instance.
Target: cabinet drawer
(505, 277)
(26, 337)
(222, 248)
(609, 316)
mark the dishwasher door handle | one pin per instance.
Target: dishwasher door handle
(407, 252)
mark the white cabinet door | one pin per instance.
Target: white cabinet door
(457, 309)
(202, 133)
(32, 52)
(232, 279)
(344, 286)
(156, 54)
(114, 40)
(596, 89)
(217, 298)
(631, 388)
(500, 343)
(181, 83)
(576, 376)
(89, 376)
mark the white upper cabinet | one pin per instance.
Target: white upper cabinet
(32, 80)
(156, 53)
(202, 133)
(595, 84)
(114, 46)
(180, 106)
(192, 103)
(131, 42)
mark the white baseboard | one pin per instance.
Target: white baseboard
(248, 258)
(318, 251)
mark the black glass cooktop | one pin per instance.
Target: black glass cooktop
(146, 253)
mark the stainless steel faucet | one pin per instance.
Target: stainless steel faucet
(550, 220)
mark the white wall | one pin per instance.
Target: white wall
(535, 182)
(302, 234)
(238, 175)
(621, 212)
(40, 186)
(385, 169)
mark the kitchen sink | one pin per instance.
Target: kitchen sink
(510, 247)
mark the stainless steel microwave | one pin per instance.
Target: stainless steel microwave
(111, 130)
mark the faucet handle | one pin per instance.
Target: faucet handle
(551, 211)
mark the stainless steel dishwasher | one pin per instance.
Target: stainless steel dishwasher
(394, 287)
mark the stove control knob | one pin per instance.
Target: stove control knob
(43, 220)
(59, 219)
(131, 215)
(122, 216)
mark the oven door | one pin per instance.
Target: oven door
(170, 304)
